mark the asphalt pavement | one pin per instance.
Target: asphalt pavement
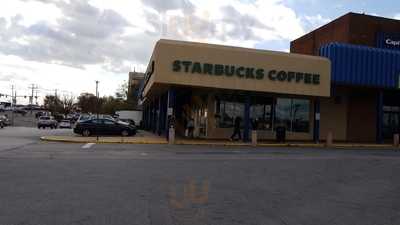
(56, 183)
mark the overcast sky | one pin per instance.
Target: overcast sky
(68, 44)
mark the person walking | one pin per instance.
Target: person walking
(190, 127)
(236, 129)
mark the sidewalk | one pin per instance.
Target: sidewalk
(144, 137)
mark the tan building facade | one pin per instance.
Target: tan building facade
(341, 83)
(210, 86)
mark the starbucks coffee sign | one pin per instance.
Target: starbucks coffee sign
(243, 72)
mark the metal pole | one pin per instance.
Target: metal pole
(97, 106)
(31, 98)
(12, 105)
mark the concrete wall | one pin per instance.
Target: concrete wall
(362, 116)
(334, 116)
(350, 115)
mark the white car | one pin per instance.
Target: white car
(47, 121)
(65, 124)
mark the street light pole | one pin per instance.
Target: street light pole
(12, 105)
(97, 106)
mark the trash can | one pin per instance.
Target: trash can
(281, 134)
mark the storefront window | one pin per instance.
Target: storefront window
(294, 114)
(301, 115)
(391, 120)
(260, 114)
(283, 113)
(227, 109)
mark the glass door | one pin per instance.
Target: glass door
(199, 109)
(391, 121)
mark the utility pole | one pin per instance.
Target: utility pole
(31, 97)
(97, 106)
(36, 97)
(12, 105)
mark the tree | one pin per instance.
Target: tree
(107, 104)
(88, 103)
(53, 104)
(110, 105)
(68, 104)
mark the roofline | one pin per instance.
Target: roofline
(229, 47)
(322, 27)
(342, 17)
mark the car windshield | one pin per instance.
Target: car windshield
(84, 117)
(44, 118)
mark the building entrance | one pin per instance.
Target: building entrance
(391, 114)
(391, 118)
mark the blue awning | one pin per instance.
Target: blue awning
(363, 66)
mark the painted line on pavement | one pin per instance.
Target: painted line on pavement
(88, 145)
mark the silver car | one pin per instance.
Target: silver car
(47, 121)
(65, 124)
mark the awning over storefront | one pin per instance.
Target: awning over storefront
(363, 66)
(216, 66)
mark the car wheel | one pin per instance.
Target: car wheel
(86, 133)
(125, 133)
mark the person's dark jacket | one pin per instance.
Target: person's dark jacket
(238, 120)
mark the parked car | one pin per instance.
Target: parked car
(84, 117)
(58, 117)
(47, 121)
(129, 121)
(4, 121)
(65, 124)
(104, 127)
(42, 113)
(102, 116)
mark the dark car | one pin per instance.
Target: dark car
(130, 121)
(104, 127)
(4, 121)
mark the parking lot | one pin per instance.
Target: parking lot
(27, 120)
(57, 183)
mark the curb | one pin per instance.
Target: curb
(289, 145)
(370, 146)
(49, 139)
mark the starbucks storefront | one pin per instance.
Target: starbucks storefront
(212, 85)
